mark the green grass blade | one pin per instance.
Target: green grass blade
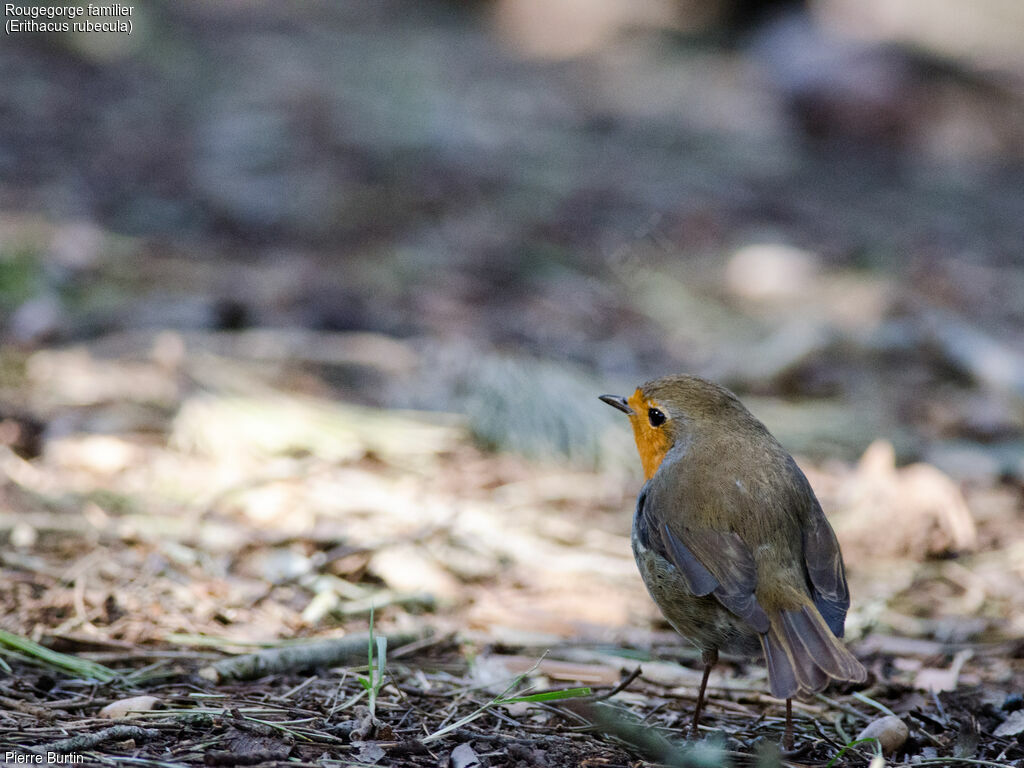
(852, 744)
(568, 693)
(382, 658)
(72, 664)
(369, 648)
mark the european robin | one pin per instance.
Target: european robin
(731, 541)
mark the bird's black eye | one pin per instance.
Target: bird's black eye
(656, 417)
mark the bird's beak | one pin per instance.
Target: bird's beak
(617, 401)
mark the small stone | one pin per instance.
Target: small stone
(771, 271)
(890, 731)
(123, 708)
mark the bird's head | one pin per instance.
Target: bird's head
(671, 409)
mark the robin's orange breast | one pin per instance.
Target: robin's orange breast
(652, 444)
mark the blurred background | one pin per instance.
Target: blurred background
(307, 306)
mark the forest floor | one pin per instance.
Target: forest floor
(214, 522)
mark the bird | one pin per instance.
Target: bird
(732, 543)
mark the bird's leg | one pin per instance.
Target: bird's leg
(787, 738)
(710, 658)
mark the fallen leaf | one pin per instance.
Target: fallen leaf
(1012, 725)
(370, 752)
(931, 679)
(463, 756)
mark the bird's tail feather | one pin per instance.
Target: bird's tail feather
(802, 654)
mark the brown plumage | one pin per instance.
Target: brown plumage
(732, 543)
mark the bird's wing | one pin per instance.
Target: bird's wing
(825, 569)
(711, 562)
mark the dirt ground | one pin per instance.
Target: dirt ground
(220, 522)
